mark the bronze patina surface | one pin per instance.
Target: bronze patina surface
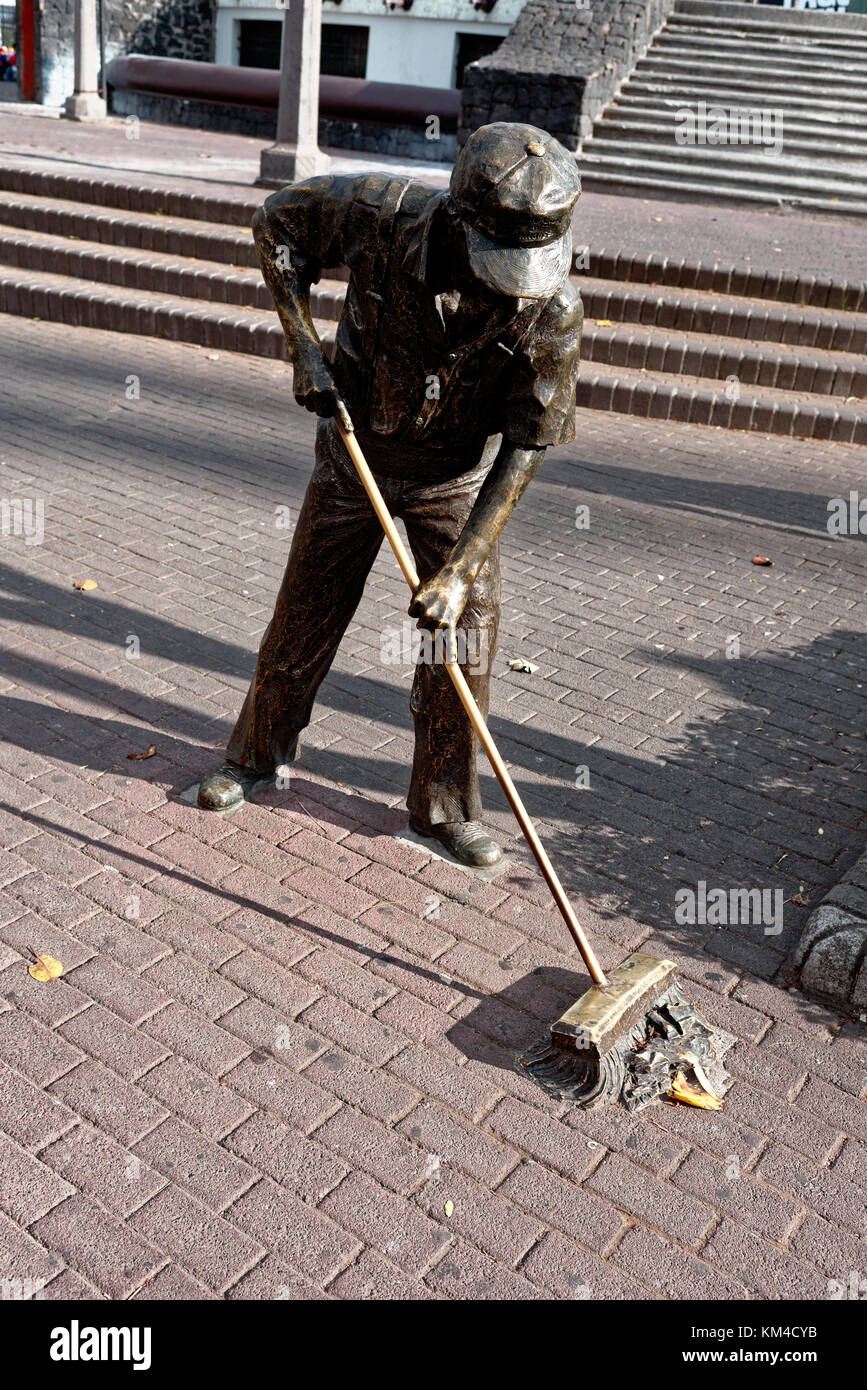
(460, 324)
(622, 1002)
(629, 1040)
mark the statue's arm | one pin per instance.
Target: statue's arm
(298, 231)
(440, 601)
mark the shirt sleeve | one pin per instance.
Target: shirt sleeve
(321, 221)
(541, 406)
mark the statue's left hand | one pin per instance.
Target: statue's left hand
(440, 600)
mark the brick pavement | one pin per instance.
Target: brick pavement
(280, 1061)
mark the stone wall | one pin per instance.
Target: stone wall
(167, 28)
(830, 960)
(559, 65)
(227, 118)
(402, 142)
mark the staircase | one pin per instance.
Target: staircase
(805, 70)
(664, 338)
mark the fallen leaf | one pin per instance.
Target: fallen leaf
(800, 900)
(449, 1208)
(604, 323)
(519, 663)
(693, 1095)
(85, 584)
(139, 757)
(762, 560)
(44, 968)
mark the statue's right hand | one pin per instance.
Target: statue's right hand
(315, 389)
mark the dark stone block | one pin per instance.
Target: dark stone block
(575, 60)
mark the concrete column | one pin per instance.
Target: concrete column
(296, 154)
(85, 104)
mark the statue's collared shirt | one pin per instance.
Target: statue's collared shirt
(431, 373)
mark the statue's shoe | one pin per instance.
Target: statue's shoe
(228, 787)
(467, 840)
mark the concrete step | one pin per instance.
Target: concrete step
(725, 316)
(153, 271)
(783, 171)
(673, 178)
(737, 178)
(772, 73)
(743, 90)
(773, 47)
(87, 304)
(698, 401)
(708, 42)
(827, 135)
(663, 97)
(799, 24)
(661, 130)
(780, 366)
(175, 236)
(680, 187)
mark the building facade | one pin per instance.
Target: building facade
(427, 45)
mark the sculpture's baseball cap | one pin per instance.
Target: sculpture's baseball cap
(514, 187)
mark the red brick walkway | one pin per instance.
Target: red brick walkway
(280, 1061)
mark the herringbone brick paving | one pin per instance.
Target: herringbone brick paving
(280, 1062)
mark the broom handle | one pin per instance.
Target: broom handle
(474, 715)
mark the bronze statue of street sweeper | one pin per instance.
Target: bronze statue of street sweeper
(460, 323)
(468, 292)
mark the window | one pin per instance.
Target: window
(344, 46)
(344, 50)
(7, 25)
(259, 43)
(471, 47)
